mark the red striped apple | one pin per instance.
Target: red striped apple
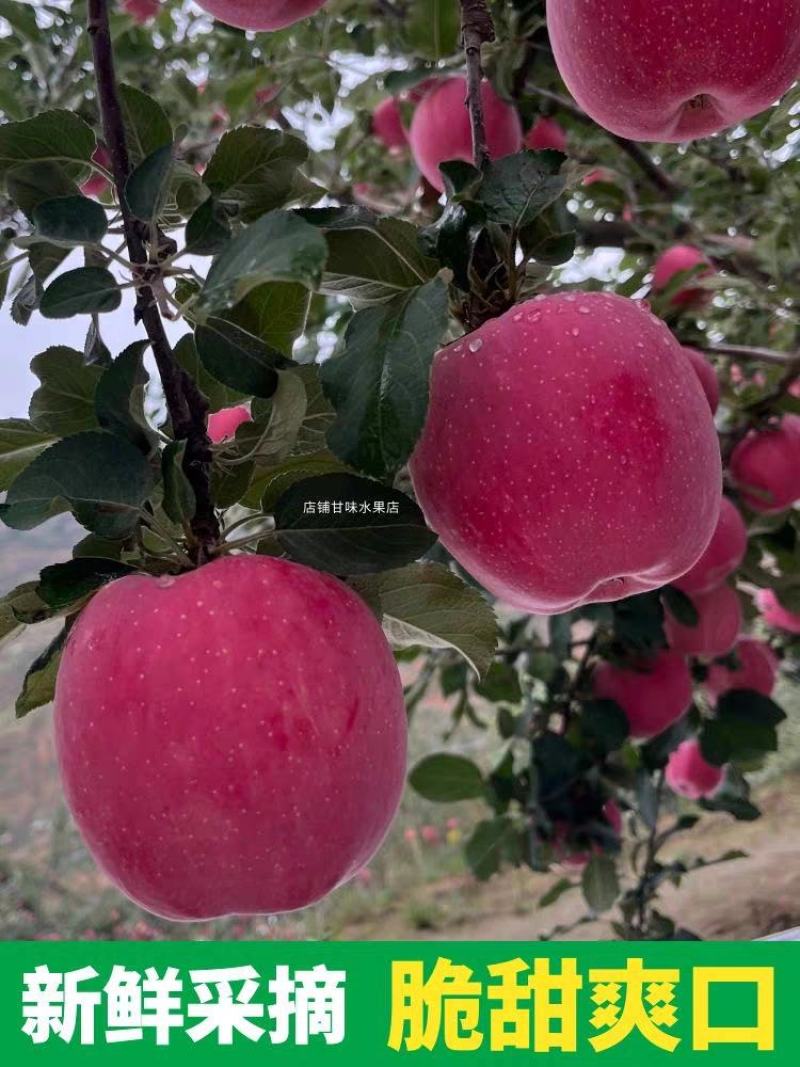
(654, 693)
(260, 14)
(758, 666)
(690, 775)
(766, 466)
(718, 626)
(722, 557)
(675, 71)
(231, 740)
(569, 455)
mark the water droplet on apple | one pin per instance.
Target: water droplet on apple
(165, 581)
(476, 345)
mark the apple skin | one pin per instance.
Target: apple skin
(757, 670)
(674, 261)
(707, 375)
(141, 11)
(387, 124)
(536, 422)
(440, 128)
(653, 696)
(233, 740)
(260, 14)
(768, 463)
(775, 614)
(223, 424)
(546, 133)
(674, 71)
(95, 185)
(689, 775)
(715, 634)
(722, 557)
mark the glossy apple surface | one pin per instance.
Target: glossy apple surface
(546, 133)
(722, 557)
(766, 466)
(260, 14)
(689, 774)
(707, 375)
(654, 694)
(758, 667)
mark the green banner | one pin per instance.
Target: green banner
(375, 1002)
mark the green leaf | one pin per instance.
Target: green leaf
(26, 605)
(425, 604)
(492, 842)
(217, 394)
(743, 727)
(148, 184)
(70, 220)
(147, 127)
(680, 606)
(208, 230)
(271, 483)
(276, 313)
(40, 682)
(83, 291)
(32, 184)
(119, 399)
(515, 189)
(179, 498)
(272, 434)
(445, 777)
(257, 170)
(324, 522)
(237, 358)
(432, 27)
(277, 247)
(64, 402)
(64, 584)
(102, 479)
(20, 444)
(557, 890)
(600, 883)
(379, 383)
(639, 621)
(56, 136)
(500, 684)
(605, 724)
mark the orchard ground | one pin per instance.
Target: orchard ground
(418, 886)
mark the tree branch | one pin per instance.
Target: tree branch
(186, 405)
(476, 27)
(760, 355)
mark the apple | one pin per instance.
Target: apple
(569, 455)
(674, 71)
(654, 692)
(387, 124)
(676, 260)
(96, 184)
(758, 667)
(775, 614)
(260, 14)
(707, 375)
(440, 129)
(222, 425)
(231, 740)
(722, 557)
(141, 11)
(690, 775)
(546, 133)
(718, 626)
(766, 466)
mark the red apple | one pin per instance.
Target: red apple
(569, 456)
(717, 628)
(758, 666)
(654, 693)
(674, 261)
(775, 614)
(675, 71)
(599, 174)
(96, 184)
(387, 124)
(141, 11)
(546, 133)
(232, 740)
(689, 774)
(723, 555)
(222, 425)
(766, 466)
(440, 128)
(260, 14)
(707, 375)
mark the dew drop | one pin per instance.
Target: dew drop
(165, 581)
(584, 310)
(476, 345)
(517, 317)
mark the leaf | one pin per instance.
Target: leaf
(272, 434)
(639, 621)
(270, 484)
(40, 682)
(432, 28)
(218, 395)
(379, 383)
(605, 724)
(102, 479)
(148, 184)
(64, 402)
(82, 291)
(680, 606)
(57, 136)
(444, 777)
(501, 684)
(277, 247)
(20, 444)
(27, 606)
(32, 184)
(179, 497)
(237, 358)
(276, 313)
(208, 230)
(600, 883)
(64, 584)
(147, 127)
(257, 170)
(70, 220)
(426, 604)
(341, 535)
(517, 188)
(26, 301)
(492, 841)
(119, 399)
(743, 727)
(557, 890)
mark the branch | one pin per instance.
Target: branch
(186, 405)
(760, 355)
(476, 27)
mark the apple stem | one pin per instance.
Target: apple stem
(186, 405)
(476, 27)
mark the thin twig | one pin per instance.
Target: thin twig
(186, 405)
(760, 355)
(476, 28)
